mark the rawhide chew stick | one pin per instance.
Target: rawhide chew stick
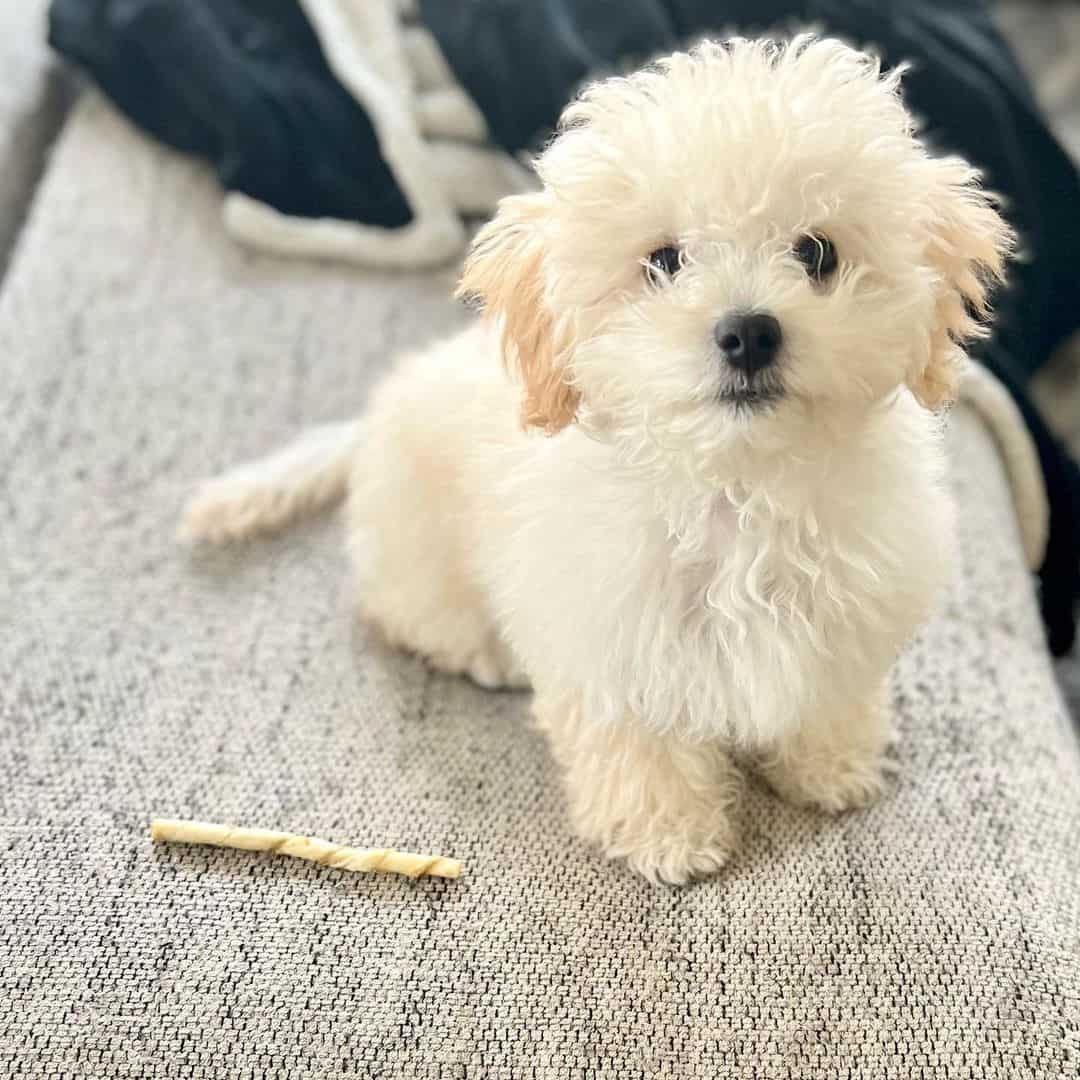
(381, 860)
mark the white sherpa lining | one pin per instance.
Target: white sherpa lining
(376, 58)
(362, 44)
(985, 394)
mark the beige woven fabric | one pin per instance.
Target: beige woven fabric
(935, 935)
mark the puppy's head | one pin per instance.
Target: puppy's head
(736, 236)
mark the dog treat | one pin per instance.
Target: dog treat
(381, 860)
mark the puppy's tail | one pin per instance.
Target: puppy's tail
(264, 496)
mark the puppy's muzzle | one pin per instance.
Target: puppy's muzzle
(749, 341)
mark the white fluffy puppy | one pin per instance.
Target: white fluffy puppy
(705, 510)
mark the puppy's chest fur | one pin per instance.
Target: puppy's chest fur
(764, 612)
(733, 553)
(732, 613)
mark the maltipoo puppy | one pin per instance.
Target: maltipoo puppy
(704, 510)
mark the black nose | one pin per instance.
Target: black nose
(749, 342)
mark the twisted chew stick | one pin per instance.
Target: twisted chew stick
(385, 860)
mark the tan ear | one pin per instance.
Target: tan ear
(969, 243)
(505, 272)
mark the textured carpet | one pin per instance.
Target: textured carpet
(935, 935)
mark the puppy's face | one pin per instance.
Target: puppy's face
(739, 236)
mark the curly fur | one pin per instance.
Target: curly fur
(688, 581)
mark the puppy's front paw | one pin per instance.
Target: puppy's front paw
(842, 780)
(676, 858)
(670, 845)
(663, 804)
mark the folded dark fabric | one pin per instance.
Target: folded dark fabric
(1059, 574)
(243, 84)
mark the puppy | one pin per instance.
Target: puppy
(705, 509)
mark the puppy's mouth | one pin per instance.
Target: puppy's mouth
(751, 395)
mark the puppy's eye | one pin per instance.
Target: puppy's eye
(817, 254)
(663, 262)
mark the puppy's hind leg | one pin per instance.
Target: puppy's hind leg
(663, 804)
(263, 496)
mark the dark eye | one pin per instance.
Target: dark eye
(663, 261)
(817, 254)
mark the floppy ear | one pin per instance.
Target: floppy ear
(969, 243)
(505, 271)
